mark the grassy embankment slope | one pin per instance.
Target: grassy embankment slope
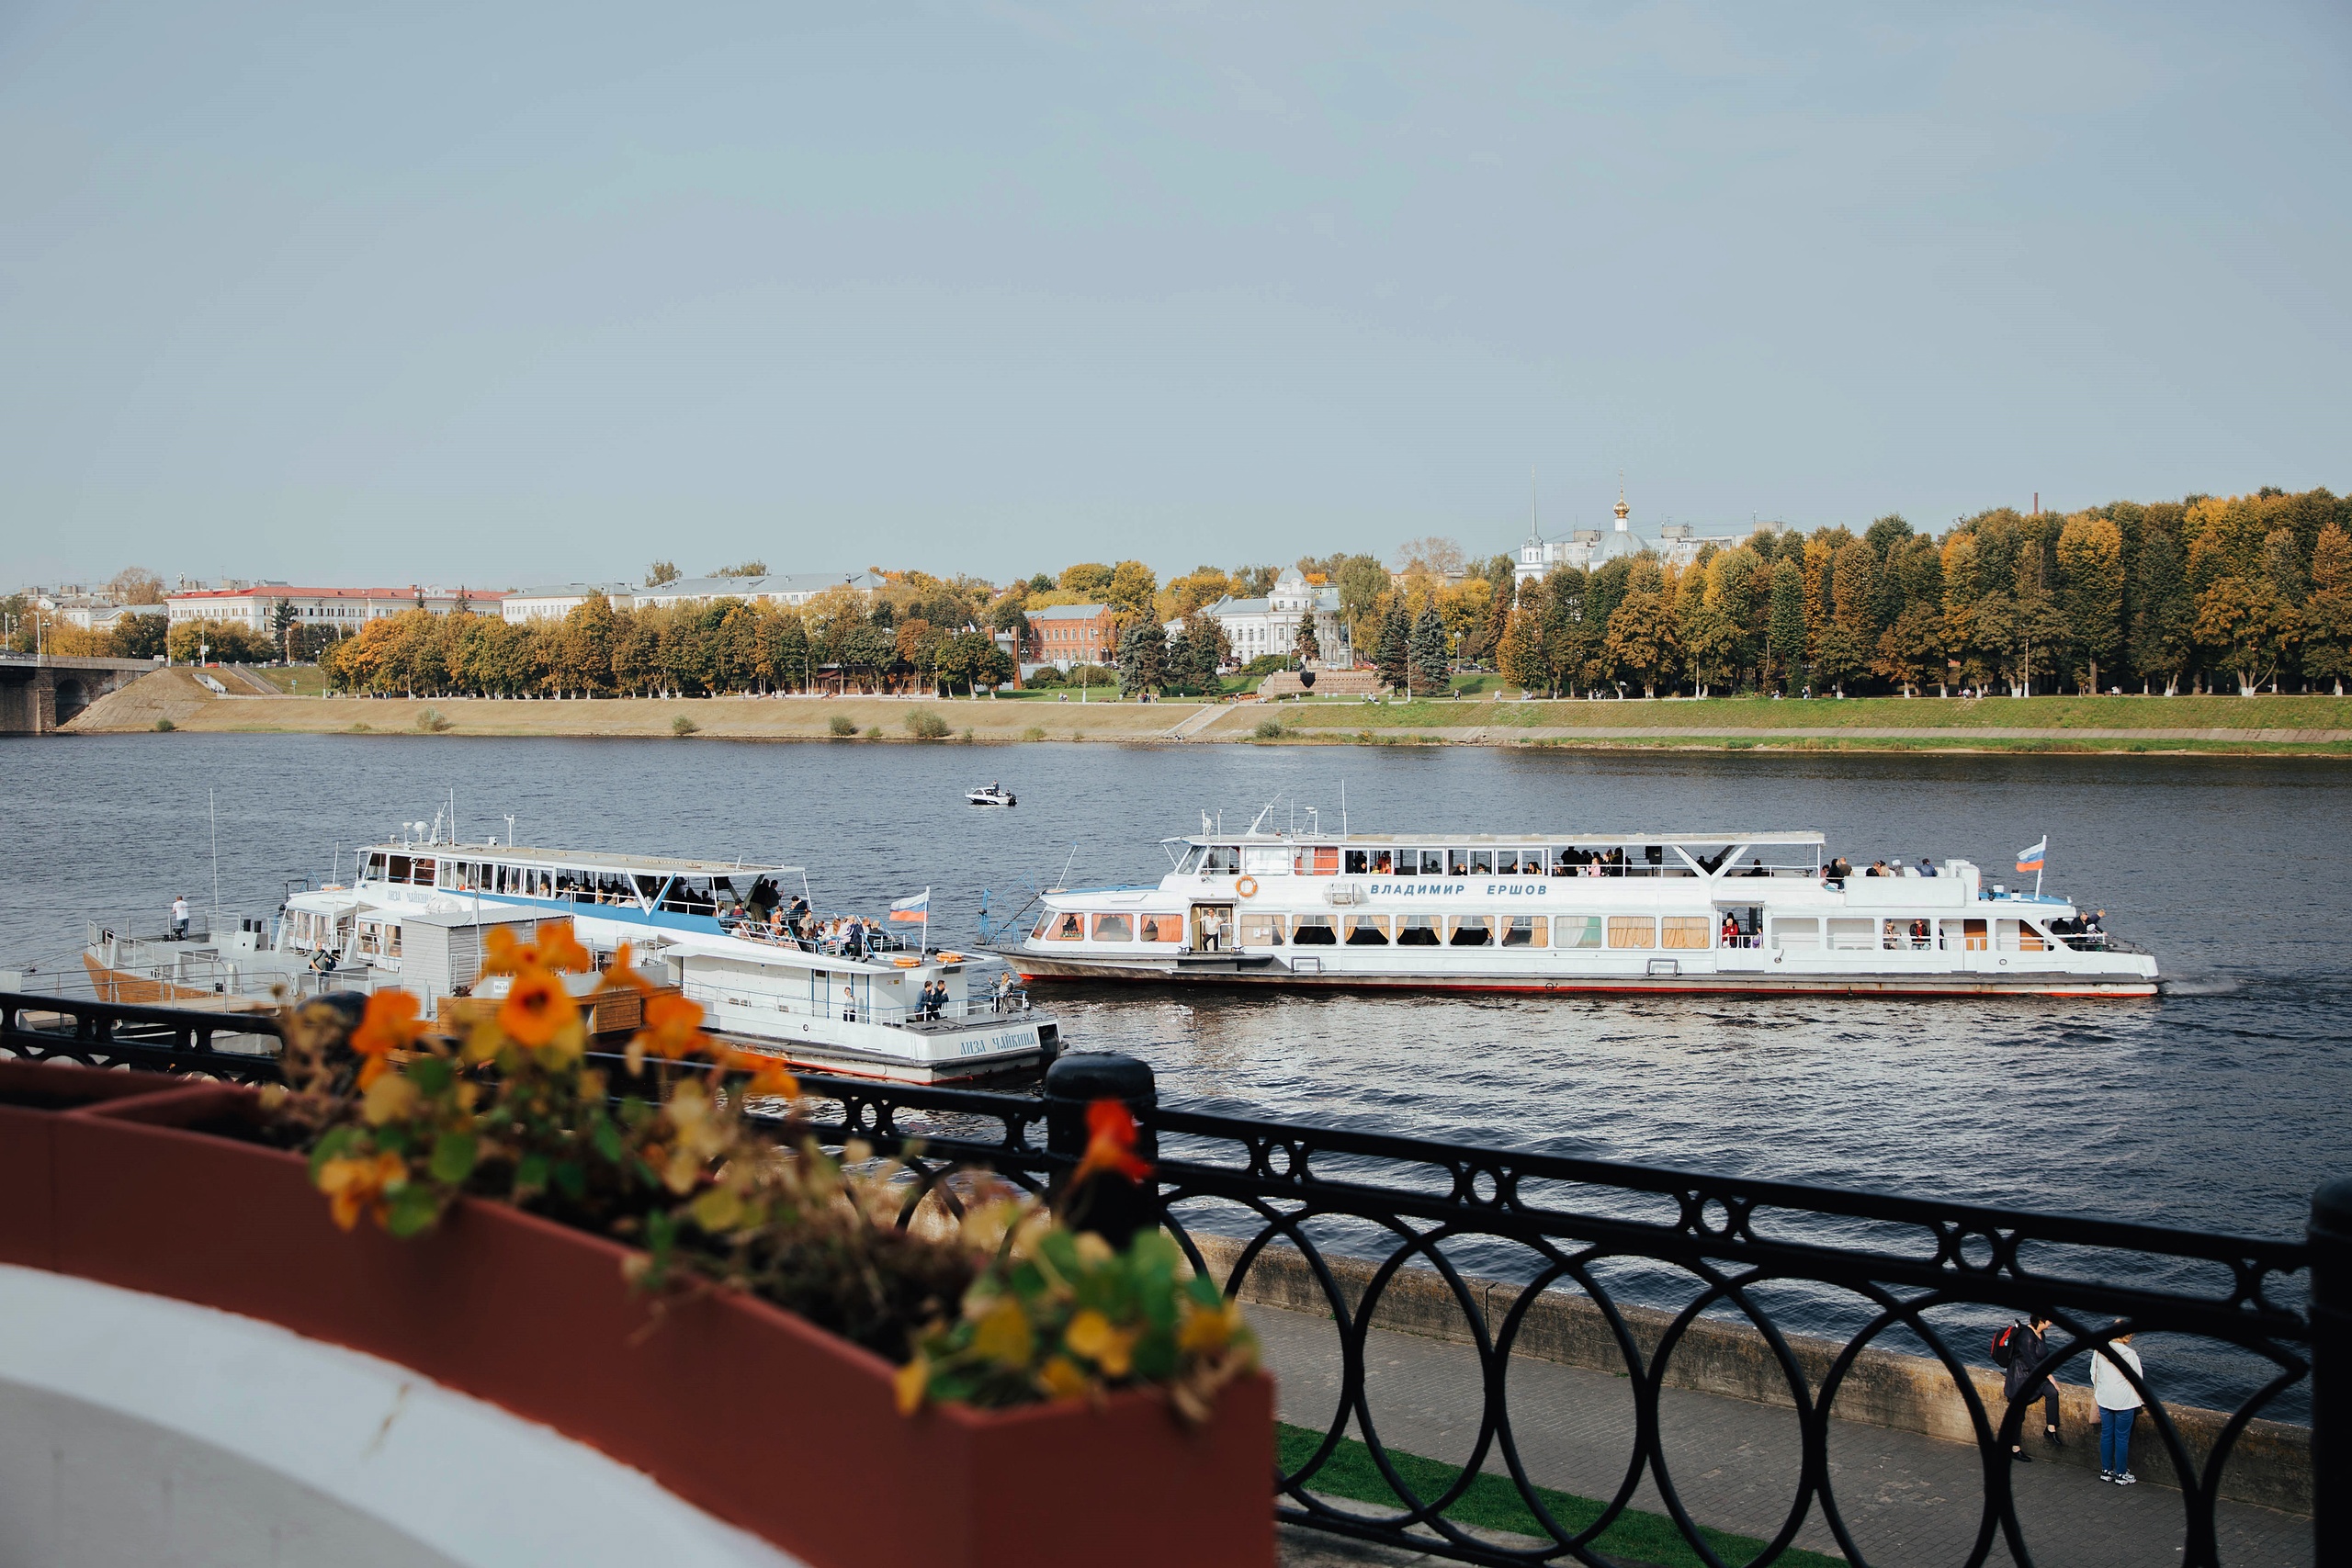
(175, 695)
(2296, 725)
(2263, 725)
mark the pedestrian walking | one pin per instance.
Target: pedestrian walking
(2021, 1349)
(179, 916)
(2118, 1402)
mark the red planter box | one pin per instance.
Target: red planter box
(743, 1409)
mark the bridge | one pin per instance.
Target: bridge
(39, 693)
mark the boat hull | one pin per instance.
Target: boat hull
(1247, 970)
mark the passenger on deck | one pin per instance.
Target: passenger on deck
(1878, 868)
(1731, 930)
(1003, 997)
(179, 916)
(849, 1004)
(1920, 933)
(1926, 866)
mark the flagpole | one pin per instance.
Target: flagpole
(2037, 864)
(925, 951)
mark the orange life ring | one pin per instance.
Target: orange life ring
(1247, 887)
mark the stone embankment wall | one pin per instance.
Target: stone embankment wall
(2269, 1466)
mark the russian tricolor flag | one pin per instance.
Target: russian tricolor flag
(2031, 860)
(915, 908)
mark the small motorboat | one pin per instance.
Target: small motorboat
(992, 795)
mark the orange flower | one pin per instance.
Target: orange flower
(769, 1074)
(673, 1026)
(556, 948)
(622, 975)
(536, 1007)
(1111, 1142)
(352, 1186)
(560, 949)
(390, 1025)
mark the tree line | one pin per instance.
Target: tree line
(2242, 593)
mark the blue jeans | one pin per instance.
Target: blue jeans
(2115, 1440)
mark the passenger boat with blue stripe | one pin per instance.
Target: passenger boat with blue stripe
(1734, 911)
(861, 1001)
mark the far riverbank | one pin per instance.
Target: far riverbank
(2290, 726)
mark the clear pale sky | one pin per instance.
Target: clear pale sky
(501, 294)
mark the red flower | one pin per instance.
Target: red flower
(1111, 1142)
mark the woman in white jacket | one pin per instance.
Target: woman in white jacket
(2118, 1402)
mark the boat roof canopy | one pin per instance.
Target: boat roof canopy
(1529, 838)
(582, 859)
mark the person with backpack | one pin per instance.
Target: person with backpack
(2019, 1349)
(2118, 1402)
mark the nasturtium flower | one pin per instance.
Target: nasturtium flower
(536, 1007)
(389, 1098)
(1003, 1335)
(1209, 1328)
(1111, 1142)
(390, 1024)
(356, 1185)
(1090, 1335)
(555, 948)
(1061, 1378)
(911, 1382)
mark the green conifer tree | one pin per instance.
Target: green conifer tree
(1394, 659)
(1426, 653)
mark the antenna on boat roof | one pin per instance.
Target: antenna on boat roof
(1343, 807)
(1063, 880)
(510, 830)
(213, 812)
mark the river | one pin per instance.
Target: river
(2219, 1105)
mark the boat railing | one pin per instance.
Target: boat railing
(845, 1010)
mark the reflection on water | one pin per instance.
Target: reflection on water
(2217, 1106)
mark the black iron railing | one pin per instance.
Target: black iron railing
(1815, 1301)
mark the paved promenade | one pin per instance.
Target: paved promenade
(1910, 1501)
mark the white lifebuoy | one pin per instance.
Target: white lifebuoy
(1247, 887)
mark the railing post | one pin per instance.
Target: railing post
(1112, 1207)
(2330, 1234)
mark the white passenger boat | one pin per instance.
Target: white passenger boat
(1719, 911)
(418, 912)
(991, 795)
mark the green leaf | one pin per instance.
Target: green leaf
(411, 1211)
(607, 1140)
(530, 1173)
(390, 1140)
(429, 1074)
(334, 1144)
(453, 1157)
(571, 1181)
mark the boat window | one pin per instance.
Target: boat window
(1265, 859)
(2031, 939)
(1564, 863)
(1261, 930)
(1367, 931)
(421, 873)
(1965, 935)
(398, 869)
(1482, 863)
(1470, 931)
(1794, 934)
(1383, 862)
(1417, 930)
(1064, 926)
(1114, 928)
(1632, 931)
(1432, 862)
(1191, 863)
(1523, 931)
(1576, 930)
(1686, 931)
(1359, 862)
(1848, 934)
(1457, 863)
(1222, 860)
(1315, 930)
(1163, 928)
(1322, 860)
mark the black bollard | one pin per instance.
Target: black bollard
(1109, 1204)
(2330, 1235)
